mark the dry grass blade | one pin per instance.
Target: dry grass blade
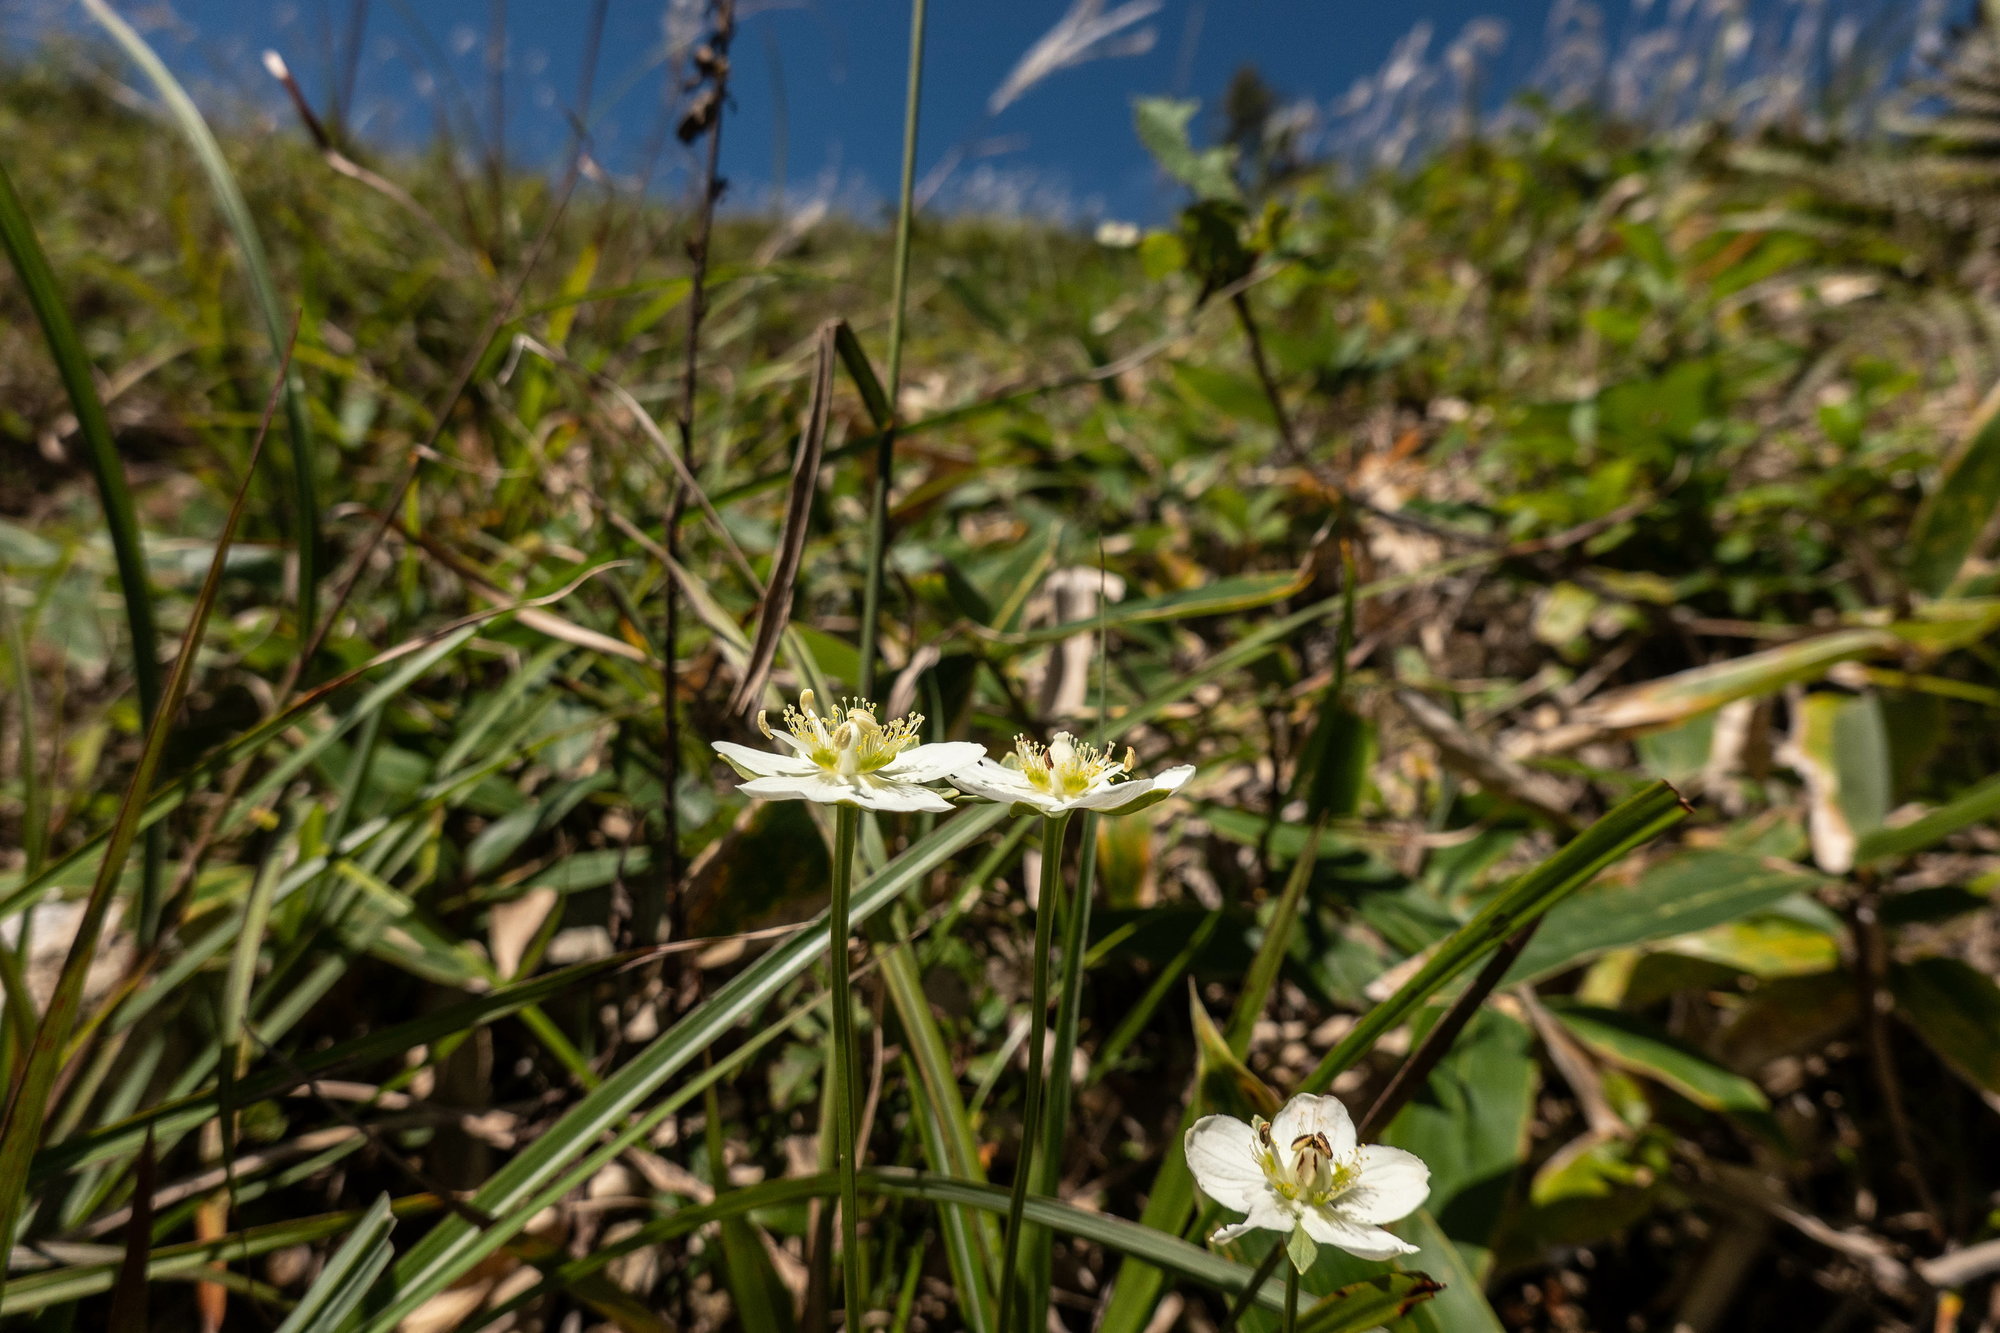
(777, 607)
(27, 1103)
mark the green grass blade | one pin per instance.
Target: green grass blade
(342, 1285)
(970, 1241)
(79, 382)
(236, 212)
(885, 451)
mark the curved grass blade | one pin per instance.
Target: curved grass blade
(17, 233)
(344, 1282)
(79, 382)
(236, 212)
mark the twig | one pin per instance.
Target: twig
(1418, 1066)
(1283, 419)
(704, 116)
(1869, 959)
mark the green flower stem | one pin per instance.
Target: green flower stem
(1038, 1008)
(1291, 1298)
(841, 1068)
(1069, 1006)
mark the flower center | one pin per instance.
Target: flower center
(1305, 1171)
(846, 740)
(1066, 766)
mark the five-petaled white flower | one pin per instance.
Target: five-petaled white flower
(1304, 1172)
(846, 757)
(1067, 774)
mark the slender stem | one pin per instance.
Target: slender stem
(885, 449)
(841, 1075)
(722, 14)
(1291, 1298)
(1415, 1071)
(1055, 1118)
(1038, 1007)
(1248, 1295)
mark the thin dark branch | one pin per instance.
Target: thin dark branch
(704, 115)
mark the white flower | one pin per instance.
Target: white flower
(1305, 1172)
(846, 757)
(1113, 235)
(1066, 775)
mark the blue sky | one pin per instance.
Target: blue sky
(836, 68)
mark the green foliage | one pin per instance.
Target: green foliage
(1633, 456)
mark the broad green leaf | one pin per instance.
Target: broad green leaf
(1976, 805)
(1633, 1044)
(1841, 748)
(1958, 505)
(123, 1137)
(1369, 1304)
(1333, 767)
(1597, 1185)
(1765, 945)
(1676, 698)
(1956, 1008)
(1688, 892)
(1470, 1126)
(1460, 1306)
(1162, 123)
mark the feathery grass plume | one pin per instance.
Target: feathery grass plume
(1084, 33)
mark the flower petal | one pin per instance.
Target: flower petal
(1306, 1114)
(1393, 1185)
(1325, 1225)
(928, 763)
(762, 763)
(879, 793)
(1267, 1213)
(1222, 1153)
(1002, 786)
(814, 786)
(1124, 798)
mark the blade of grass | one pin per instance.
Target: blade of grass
(28, 1101)
(345, 1281)
(236, 212)
(108, 470)
(947, 1133)
(885, 450)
